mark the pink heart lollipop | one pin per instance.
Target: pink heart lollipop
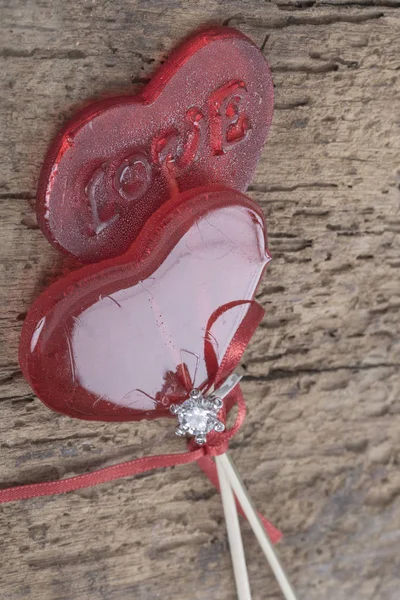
(114, 341)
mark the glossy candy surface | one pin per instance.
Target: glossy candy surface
(110, 341)
(208, 110)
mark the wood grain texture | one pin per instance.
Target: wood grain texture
(320, 447)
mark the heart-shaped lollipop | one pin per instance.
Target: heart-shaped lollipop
(113, 341)
(208, 109)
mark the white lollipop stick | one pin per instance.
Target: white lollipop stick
(234, 534)
(192, 415)
(231, 514)
(256, 525)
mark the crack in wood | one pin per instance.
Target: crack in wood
(291, 188)
(43, 54)
(304, 4)
(293, 104)
(359, 3)
(317, 20)
(350, 64)
(17, 196)
(284, 373)
(327, 67)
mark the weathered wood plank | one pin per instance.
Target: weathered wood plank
(320, 447)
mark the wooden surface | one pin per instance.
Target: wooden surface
(320, 447)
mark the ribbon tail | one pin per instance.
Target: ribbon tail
(118, 471)
(127, 469)
(207, 465)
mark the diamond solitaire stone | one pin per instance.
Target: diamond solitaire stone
(197, 416)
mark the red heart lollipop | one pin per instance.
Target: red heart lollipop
(208, 109)
(113, 341)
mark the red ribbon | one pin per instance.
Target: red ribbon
(217, 443)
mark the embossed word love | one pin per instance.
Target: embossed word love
(206, 114)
